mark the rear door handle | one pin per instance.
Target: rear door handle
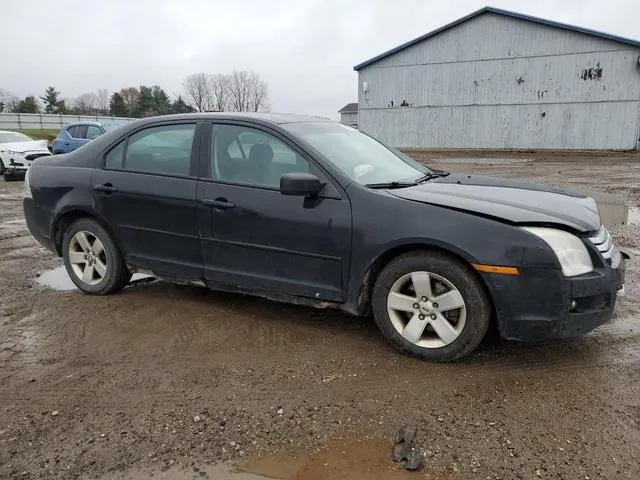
(219, 203)
(107, 188)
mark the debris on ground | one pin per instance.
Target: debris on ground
(403, 451)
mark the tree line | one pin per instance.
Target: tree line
(240, 91)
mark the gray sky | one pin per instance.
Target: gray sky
(304, 49)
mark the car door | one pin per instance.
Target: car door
(256, 239)
(147, 193)
(78, 135)
(63, 144)
(93, 131)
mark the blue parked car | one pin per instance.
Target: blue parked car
(74, 135)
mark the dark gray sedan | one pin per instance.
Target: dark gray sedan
(313, 212)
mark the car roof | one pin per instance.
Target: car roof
(73, 124)
(277, 118)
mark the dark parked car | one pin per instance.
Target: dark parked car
(313, 212)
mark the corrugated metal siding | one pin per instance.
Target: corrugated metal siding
(349, 119)
(498, 82)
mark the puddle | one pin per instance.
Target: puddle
(351, 457)
(633, 217)
(58, 279)
(218, 472)
(616, 213)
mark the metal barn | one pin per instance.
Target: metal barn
(501, 80)
(349, 114)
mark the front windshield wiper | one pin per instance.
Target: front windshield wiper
(390, 185)
(432, 175)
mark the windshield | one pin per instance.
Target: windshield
(359, 156)
(10, 137)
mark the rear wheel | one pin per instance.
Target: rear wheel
(431, 305)
(92, 259)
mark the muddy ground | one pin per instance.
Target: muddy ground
(167, 380)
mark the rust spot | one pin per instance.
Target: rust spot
(593, 73)
(519, 80)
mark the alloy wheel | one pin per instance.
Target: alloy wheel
(426, 309)
(88, 257)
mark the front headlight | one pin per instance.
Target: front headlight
(571, 252)
(27, 187)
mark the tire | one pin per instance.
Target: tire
(107, 271)
(1, 167)
(434, 331)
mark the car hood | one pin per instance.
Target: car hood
(511, 200)
(22, 147)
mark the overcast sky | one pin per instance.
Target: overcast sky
(304, 49)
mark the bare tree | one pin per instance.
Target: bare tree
(247, 92)
(196, 87)
(130, 96)
(8, 101)
(102, 100)
(86, 103)
(218, 92)
(259, 96)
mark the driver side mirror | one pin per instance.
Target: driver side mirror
(300, 184)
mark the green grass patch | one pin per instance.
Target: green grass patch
(45, 134)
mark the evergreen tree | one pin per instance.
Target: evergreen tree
(52, 102)
(145, 105)
(161, 101)
(180, 106)
(117, 106)
(28, 105)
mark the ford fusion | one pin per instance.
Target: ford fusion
(312, 212)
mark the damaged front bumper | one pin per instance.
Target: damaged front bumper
(542, 304)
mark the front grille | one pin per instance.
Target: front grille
(603, 241)
(33, 156)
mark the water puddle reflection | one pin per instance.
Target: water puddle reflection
(616, 213)
(58, 279)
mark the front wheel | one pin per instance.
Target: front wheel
(431, 305)
(92, 259)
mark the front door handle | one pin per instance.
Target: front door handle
(106, 188)
(218, 203)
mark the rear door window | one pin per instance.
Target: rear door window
(165, 149)
(93, 132)
(78, 131)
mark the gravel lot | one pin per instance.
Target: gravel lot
(168, 380)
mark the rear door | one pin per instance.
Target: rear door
(93, 131)
(78, 135)
(147, 193)
(255, 238)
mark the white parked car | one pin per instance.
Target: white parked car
(17, 153)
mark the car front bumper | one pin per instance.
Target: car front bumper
(541, 304)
